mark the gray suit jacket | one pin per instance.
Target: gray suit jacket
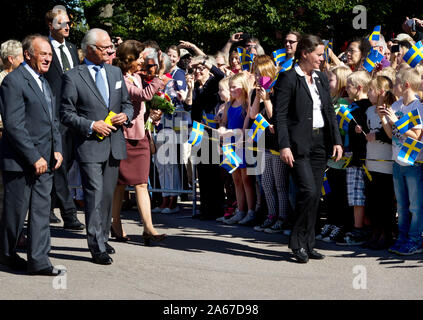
(82, 103)
(29, 132)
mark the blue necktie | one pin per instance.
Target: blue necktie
(47, 95)
(101, 85)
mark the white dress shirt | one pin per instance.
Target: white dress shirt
(55, 44)
(318, 121)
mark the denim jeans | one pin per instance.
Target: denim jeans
(408, 185)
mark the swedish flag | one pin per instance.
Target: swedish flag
(410, 120)
(344, 117)
(196, 134)
(414, 55)
(279, 56)
(245, 58)
(325, 186)
(375, 36)
(409, 151)
(208, 119)
(230, 161)
(328, 45)
(258, 127)
(374, 57)
(287, 65)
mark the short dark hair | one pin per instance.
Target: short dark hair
(127, 52)
(27, 43)
(307, 43)
(176, 48)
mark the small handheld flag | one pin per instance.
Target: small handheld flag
(414, 55)
(409, 151)
(374, 57)
(375, 34)
(287, 65)
(258, 127)
(196, 134)
(245, 58)
(328, 45)
(325, 187)
(208, 119)
(279, 56)
(230, 161)
(410, 120)
(344, 117)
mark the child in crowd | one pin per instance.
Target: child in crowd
(408, 180)
(339, 213)
(230, 205)
(380, 197)
(275, 178)
(357, 87)
(234, 120)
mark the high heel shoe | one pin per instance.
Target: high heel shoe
(148, 237)
(118, 237)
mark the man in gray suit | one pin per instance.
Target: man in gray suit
(90, 92)
(30, 150)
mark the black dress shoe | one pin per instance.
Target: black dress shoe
(73, 224)
(313, 254)
(14, 262)
(102, 258)
(53, 218)
(50, 271)
(300, 255)
(109, 248)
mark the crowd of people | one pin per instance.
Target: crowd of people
(83, 116)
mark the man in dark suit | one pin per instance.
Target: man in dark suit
(90, 91)
(308, 135)
(30, 150)
(65, 57)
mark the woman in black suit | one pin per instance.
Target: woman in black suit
(308, 136)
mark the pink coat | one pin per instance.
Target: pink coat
(136, 130)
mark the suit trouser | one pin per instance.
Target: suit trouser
(61, 192)
(308, 174)
(99, 181)
(25, 192)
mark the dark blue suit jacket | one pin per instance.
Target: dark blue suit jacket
(29, 131)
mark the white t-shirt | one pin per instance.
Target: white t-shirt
(377, 149)
(400, 110)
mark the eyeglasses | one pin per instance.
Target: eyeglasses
(104, 48)
(290, 41)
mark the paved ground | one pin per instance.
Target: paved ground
(208, 260)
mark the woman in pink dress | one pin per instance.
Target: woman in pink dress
(134, 170)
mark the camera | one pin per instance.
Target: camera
(395, 48)
(412, 24)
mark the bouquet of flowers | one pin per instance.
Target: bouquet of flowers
(161, 101)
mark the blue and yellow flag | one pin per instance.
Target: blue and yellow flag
(344, 117)
(279, 56)
(374, 57)
(325, 186)
(230, 161)
(410, 120)
(375, 36)
(208, 119)
(260, 124)
(414, 55)
(196, 134)
(245, 58)
(409, 151)
(328, 45)
(287, 65)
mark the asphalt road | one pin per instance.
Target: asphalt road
(206, 260)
